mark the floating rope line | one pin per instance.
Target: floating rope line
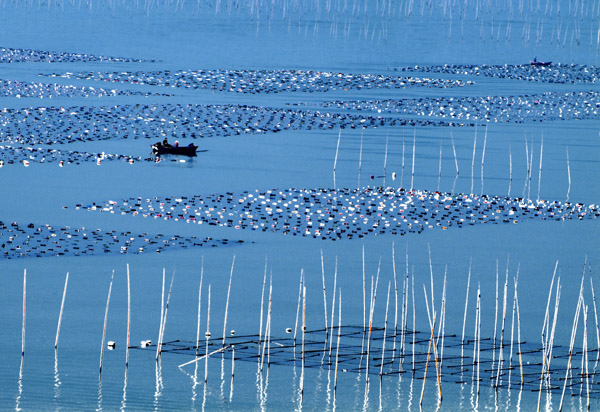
(456, 368)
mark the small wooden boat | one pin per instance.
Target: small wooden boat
(535, 62)
(159, 149)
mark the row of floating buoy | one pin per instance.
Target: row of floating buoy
(27, 155)
(17, 241)
(264, 81)
(556, 73)
(345, 213)
(20, 89)
(16, 55)
(60, 125)
(503, 109)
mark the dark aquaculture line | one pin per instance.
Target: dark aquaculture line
(456, 368)
(263, 81)
(333, 214)
(27, 155)
(15, 55)
(19, 89)
(549, 106)
(555, 73)
(53, 125)
(26, 241)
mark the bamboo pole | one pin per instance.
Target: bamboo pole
(585, 357)
(337, 352)
(262, 296)
(336, 157)
(462, 346)
(267, 330)
(199, 308)
(414, 323)
(412, 179)
(303, 332)
(298, 308)
(483, 157)
(568, 175)
(495, 325)
(105, 322)
(396, 301)
(478, 336)
(440, 167)
(512, 330)
(385, 331)
(164, 320)
(128, 322)
(207, 335)
(454, 151)
(473, 159)
(24, 301)
(162, 314)
(509, 168)
(501, 349)
(269, 321)
(227, 301)
(333, 303)
(62, 306)
(442, 325)
(206, 355)
(573, 334)
(596, 321)
(324, 296)
(540, 172)
(364, 303)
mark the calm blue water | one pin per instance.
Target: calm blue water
(224, 35)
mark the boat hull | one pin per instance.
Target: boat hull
(159, 150)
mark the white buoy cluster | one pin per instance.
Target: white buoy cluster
(503, 109)
(23, 241)
(51, 125)
(14, 55)
(554, 73)
(264, 81)
(18, 89)
(10, 155)
(345, 213)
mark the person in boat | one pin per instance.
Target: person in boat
(166, 143)
(176, 143)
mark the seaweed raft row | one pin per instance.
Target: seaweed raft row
(15, 55)
(331, 214)
(555, 73)
(264, 81)
(19, 89)
(17, 241)
(53, 125)
(499, 109)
